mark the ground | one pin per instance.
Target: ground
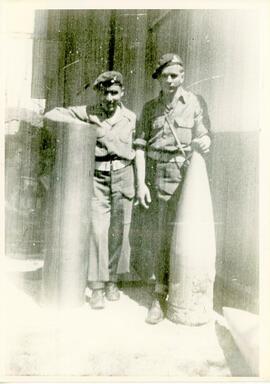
(112, 342)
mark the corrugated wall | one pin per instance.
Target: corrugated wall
(220, 50)
(72, 48)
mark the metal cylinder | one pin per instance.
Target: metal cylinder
(193, 250)
(68, 214)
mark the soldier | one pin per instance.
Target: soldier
(113, 194)
(170, 126)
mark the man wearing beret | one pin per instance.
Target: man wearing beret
(111, 204)
(170, 126)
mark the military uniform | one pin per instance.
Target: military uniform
(113, 193)
(166, 164)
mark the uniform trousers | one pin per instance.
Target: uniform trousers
(111, 209)
(165, 182)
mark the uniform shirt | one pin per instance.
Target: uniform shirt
(114, 134)
(185, 115)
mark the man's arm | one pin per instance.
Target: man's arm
(142, 191)
(201, 141)
(68, 115)
(202, 144)
(140, 145)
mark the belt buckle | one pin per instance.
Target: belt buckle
(114, 165)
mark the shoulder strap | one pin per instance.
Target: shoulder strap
(179, 145)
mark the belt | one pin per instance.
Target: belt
(166, 157)
(111, 165)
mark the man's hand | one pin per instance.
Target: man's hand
(143, 196)
(201, 144)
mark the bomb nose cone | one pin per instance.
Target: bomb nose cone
(193, 250)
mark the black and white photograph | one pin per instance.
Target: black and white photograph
(135, 193)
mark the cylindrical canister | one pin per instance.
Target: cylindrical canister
(68, 214)
(193, 250)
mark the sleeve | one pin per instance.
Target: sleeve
(59, 114)
(69, 115)
(134, 123)
(143, 129)
(201, 120)
(133, 128)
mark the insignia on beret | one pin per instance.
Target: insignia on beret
(107, 79)
(165, 61)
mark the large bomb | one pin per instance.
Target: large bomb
(193, 250)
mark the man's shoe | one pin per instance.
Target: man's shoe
(97, 299)
(155, 313)
(112, 292)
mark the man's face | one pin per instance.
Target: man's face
(109, 97)
(171, 78)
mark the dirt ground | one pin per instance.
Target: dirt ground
(114, 342)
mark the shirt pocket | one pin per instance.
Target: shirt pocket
(123, 130)
(186, 123)
(159, 122)
(126, 136)
(184, 129)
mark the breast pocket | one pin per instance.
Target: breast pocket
(159, 122)
(123, 131)
(126, 136)
(184, 129)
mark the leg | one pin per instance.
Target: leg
(122, 193)
(156, 312)
(168, 184)
(119, 247)
(162, 250)
(98, 271)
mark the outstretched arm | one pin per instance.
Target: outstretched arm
(68, 115)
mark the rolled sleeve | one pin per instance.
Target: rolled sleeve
(200, 128)
(142, 130)
(139, 143)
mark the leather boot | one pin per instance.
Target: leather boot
(156, 311)
(97, 299)
(112, 292)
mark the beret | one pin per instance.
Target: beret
(165, 61)
(106, 79)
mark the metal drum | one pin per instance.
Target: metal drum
(68, 214)
(193, 250)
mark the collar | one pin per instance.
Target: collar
(116, 116)
(180, 95)
(120, 111)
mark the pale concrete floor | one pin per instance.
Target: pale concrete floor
(112, 342)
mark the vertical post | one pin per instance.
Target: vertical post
(68, 220)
